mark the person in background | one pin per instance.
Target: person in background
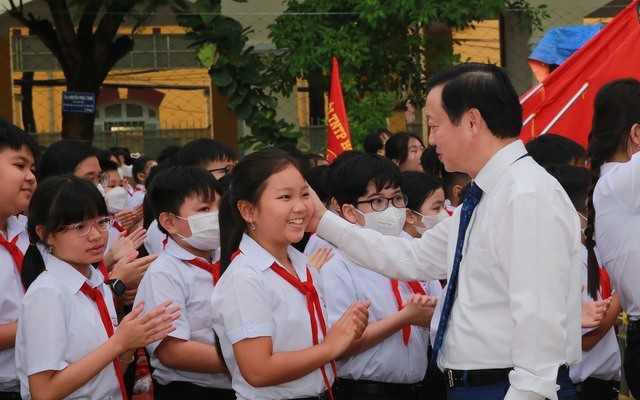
(405, 150)
(375, 141)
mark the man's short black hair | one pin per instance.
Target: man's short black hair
(484, 87)
(551, 149)
(202, 151)
(169, 189)
(350, 180)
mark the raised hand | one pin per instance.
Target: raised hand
(138, 331)
(130, 269)
(319, 257)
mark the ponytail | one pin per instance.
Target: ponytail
(32, 266)
(593, 269)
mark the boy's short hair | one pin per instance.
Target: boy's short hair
(12, 137)
(418, 187)
(575, 181)
(107, 165)
(373, 141)
(551, 149)
(350, 180)
(171, 187)
(451, 179)
(202, 151)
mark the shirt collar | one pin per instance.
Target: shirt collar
(490, 173)
(262, 259)
(14, 228)
(70, 276)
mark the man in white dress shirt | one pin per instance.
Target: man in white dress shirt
(516, 316)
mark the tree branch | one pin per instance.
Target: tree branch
(89, 15)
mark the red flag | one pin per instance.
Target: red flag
(338, 137)
(563, 102)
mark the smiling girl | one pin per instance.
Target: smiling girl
(267, 312)
(67, 345)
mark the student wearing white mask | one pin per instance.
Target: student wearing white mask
(425, 207)
(390, 360)
(185, 204)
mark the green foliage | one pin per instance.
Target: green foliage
(237, 71)
(381, 46)
(530, 18)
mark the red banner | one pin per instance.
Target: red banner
(563, 102)
(338, 136)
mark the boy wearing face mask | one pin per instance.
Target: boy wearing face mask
(390, 360)
(185, 204)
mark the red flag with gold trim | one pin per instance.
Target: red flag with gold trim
(338, 136)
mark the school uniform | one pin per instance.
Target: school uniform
(391, 369)
(314, 243)
(11, 294)
(172, 276)
(251, 300)
(137, 197)
(616, 200)
(155, 240)
(598, 372)
(60, 325)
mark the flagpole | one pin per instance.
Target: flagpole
(565, 108)
(531, 92)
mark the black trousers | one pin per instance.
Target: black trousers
(10, 396)
(632, 359)
(597, 389)
(185, 390)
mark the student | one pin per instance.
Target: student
(550, 150)
(597, 375)
(209, 154)
(72, 157)
(614, 206)
(431, 165)
(390, 360)
(66, 346)
(405, 150)
(425, 205)
(185, 203)
(375, 141)
(511, 315)
(453, 183)
(19, 155)
(266, 309)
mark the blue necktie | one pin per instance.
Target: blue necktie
(471, 200)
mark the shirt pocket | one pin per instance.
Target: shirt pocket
(478, 283)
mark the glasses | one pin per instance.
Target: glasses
(381, 203)
(102, 178)
(81, 229)
(224, 170)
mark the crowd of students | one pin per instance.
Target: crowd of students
(206, 262)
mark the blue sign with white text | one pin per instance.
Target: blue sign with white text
(78, 102)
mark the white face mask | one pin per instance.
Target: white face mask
(388, 222)
(205, 231)
(429, 221)
(101, 190)
(121, 172)
(116, 199)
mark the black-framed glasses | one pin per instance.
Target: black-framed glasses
(381, 203)
(81, 229)
(225, 170)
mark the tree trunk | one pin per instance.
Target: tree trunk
(26, 88)
(78, 126)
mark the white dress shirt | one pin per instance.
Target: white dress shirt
(616, 200)
(136, 198)
(11, 293)
(518, 298)
(389, 361)
(154, 242)
(60, 325)
(251, 301)
(171, 277)
(603, 360)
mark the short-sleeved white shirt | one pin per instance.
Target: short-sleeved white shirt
(11, 293)
(60, 325)
(389, 361)
(136, 198)
(171, 277)
(251, 301)
(155, 240)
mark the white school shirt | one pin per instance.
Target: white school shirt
(518, 298)
(11, 293)
(171, 277)
(389, 361)
(616, 200)
(603, 360)
(154, 242)
(136, 198)
(251, 301)
(60, 325)
(314, 243)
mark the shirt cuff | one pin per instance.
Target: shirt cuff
(249, 332)
(526, 386)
